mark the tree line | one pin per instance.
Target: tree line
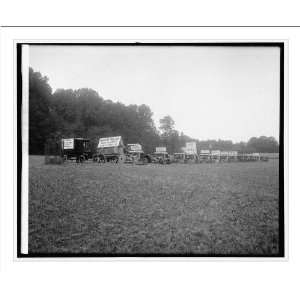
(68, 113)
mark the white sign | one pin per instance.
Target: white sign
(68, 143)
(232, 153)
(255, 154)
(190, 148)
(109, 142)
(229, 153)
(204, 151)
(216, 152)
(134, 147)
(160, 149)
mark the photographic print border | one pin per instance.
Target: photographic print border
(282, 218)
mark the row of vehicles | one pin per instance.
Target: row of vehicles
(112, 149)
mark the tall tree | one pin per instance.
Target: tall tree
(169, 136)
(40, 125)
(166, 125)
(263, 144)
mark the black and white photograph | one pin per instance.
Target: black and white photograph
(151, 149)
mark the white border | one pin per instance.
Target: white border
(116, 259)
(25, 152)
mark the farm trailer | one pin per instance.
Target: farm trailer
(110, 149)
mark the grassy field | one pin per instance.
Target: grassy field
(229, 208)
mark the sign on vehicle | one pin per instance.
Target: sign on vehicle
(68, 143)
(160, 149)
(216, 152)
(109, 142)
(190, 148)
(135, 147)
(204, 151)
(232, 153)
(224, 153)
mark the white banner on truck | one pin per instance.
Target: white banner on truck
(205, 152)
(113, 141)
(232, 153)
(224, 153)
(68, 143)
(160, 149)
(134, 147)
(216, 152)
(190, 148)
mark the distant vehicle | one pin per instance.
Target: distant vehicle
(264, 158)
(191, 158)
(179, 157)
(135, 154)
(190, 151)
(205, 156)
(76, 149)
(161, 158)
(110, 149)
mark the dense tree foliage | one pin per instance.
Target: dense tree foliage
(84, 113)
(40, 126)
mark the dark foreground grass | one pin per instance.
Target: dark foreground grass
(214, 209)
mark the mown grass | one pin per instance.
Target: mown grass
(229, 208)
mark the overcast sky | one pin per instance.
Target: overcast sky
(210, 92)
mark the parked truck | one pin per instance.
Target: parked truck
(161, 156)
(135, 155)
(76, 149)
(179, 157)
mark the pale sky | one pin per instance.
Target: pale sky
(210, 92)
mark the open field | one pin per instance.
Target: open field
(229, 208)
